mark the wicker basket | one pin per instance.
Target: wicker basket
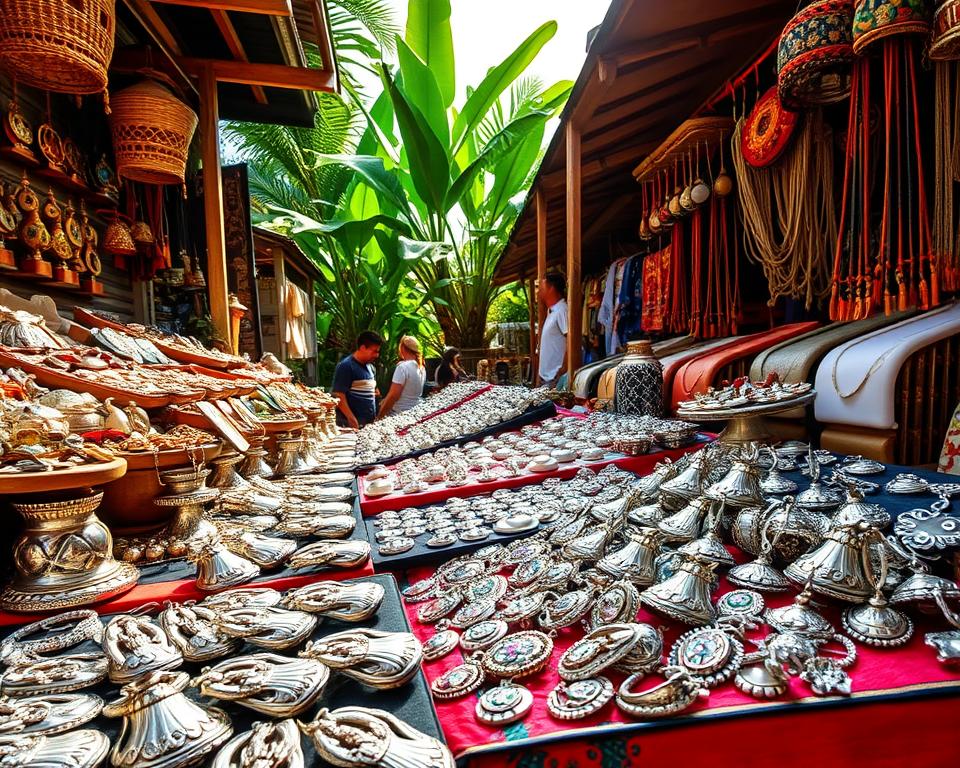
(151, 130)
(58, 45)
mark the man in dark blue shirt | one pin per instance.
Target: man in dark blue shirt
(354, 384)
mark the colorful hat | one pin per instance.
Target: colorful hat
(878, 19)
(767, 131)
(815, 54)
(945, 41)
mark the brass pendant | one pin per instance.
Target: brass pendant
(265, 745)
(273, 685)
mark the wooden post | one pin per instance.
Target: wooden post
(574, 289)
(541, 253)
(213, 204)
(534, 330)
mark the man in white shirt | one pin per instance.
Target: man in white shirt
(553, 334)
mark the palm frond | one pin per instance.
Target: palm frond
(376, 16)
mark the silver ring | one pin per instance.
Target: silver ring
(88, 627)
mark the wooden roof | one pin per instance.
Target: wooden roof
(650, 66)
(255, 48)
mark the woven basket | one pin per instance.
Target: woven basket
(58, 45)
(151, 130)
(117, 240)
(945, 41)
(879, 19)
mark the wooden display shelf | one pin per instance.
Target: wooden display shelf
(53, 379)
(83, 476)
(682, 143)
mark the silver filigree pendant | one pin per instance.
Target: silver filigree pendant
(265, 745)
(507, 703)
(50, 714)
(463, 679)
(382, 660)
(79, 749)
(708, 653)
(440, 644)
(135, 645)
(580, 699)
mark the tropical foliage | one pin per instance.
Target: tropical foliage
(404, 200)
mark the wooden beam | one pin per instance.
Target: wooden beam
(155, 26)
(232, 39)
(262, 7)
(213, 205)
(541, 230)
(574, 289)
(269, 75)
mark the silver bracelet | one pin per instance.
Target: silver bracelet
(87, 626)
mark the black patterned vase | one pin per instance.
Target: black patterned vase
(639, 382)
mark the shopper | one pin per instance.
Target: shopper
(553, 334)
(409, 376)
(354, 384)
(450, 370)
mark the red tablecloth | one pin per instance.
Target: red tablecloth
(641, 465)
(876, 674)
(186, 589)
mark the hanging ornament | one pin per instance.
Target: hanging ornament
(767, 131)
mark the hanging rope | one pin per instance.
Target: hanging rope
(798, 195)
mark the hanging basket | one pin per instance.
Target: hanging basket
(63, 46)
(767, 131)
(117, 240)
(879, 19)
(815, 55)
(945, 42)
(152, 130)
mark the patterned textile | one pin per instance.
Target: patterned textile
(656, 283)
(950, 453)
(767, 131)
(815, 54)
(876, 19)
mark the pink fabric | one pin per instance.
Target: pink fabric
(874, 671)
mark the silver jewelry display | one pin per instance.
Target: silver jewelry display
(273, 744)
(79, 749)
(382, 660)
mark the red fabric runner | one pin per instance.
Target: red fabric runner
(876, 671)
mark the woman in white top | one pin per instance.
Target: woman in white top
(409, 376)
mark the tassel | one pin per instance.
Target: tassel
(934, 282)
(834, 302)
(924, 294)
(888, 303)
(901, 293)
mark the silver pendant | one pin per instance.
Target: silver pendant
(947, 645)
(762, 681)
(517, 655)
(335, 554)
(597, 650)
(473, 613)
(86, 626)
(357, 737)
(708, 653)
(685, 596)
(79, 749)
(616, 604)
(741, 602)
(135, 645)
(265, 745)
(191, 628)
(337, 600)
(566, 610)
(444, 605)
(800, 617)
(29, 675)
(825, 676)
(273, 685)
(440, 644)
(506, 703)
(646, 654)
(50, 714)
(424, 589)
(877, 623)
(678, 692)
(264, 551)
(243, 598)
(396, 546)
(481, 636)
(273, 628)
(576, 700)
(382, 660)
(459, 681)
(162, 728)
(486, 588)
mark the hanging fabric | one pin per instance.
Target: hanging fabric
(656, 287)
